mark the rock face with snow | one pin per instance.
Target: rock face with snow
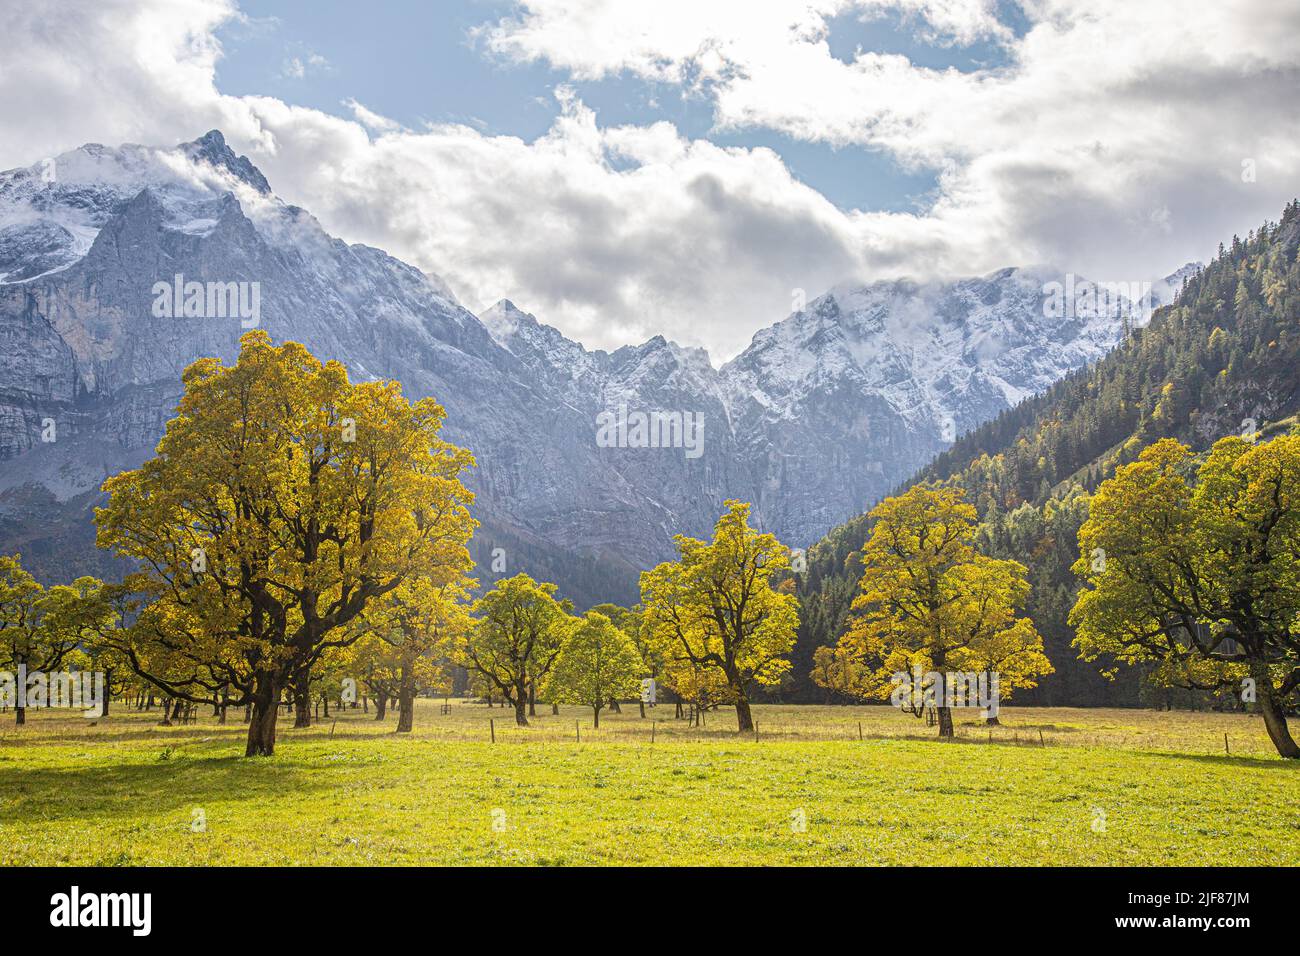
(821, 415)
(842, 401)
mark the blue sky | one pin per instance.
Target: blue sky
(417, 63)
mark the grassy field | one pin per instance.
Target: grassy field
(1051, 786)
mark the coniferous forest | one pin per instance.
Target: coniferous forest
(1220, 360)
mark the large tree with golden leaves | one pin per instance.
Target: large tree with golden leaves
(1196, 568)
(930, 601)
(282, 501)
(714, 615)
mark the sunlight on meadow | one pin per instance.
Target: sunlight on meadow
(1106, 787)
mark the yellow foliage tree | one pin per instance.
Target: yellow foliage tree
(518, 632)
(931, 603)
(39, 627)
(836, 670)
(598, 664)
(714, 616)
(282, 501)
(416, 631)
(1197, 569)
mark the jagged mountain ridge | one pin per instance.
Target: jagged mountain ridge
(818, 417)
(825, 410)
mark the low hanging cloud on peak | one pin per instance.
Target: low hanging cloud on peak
(1108, 138)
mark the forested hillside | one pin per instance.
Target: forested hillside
(1224, 357)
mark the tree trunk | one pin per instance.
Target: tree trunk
(532, 701)
(1274, 715)
(406, 702)
(521, 704)
(555, 710)
(20, 713)
(326, 699)
(744, 718)
(381, 707)
(643, 710)
(596, 718)
(108, 692)
(261, 727)
(613, 705)
(302, 700)
(945, 722)
(992, 722)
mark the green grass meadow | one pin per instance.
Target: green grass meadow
(1050, 786)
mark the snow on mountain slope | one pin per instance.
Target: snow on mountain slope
(820, 416)
(867, 383)
(827, 410)
(925, 349)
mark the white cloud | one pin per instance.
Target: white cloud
(706, 40)
(1111, 143)
(297, 67)
(615, 233)
(1111, 138)
(370, 119)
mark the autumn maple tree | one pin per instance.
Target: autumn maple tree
(515, 639)
(835, 670)
(39, 627)
(628, 620)
(929, 600)
(597, 664)
(282, 501)
(1195, 570)
(416, 631)
(717, 617)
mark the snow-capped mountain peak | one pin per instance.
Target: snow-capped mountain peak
(211, 149)
(821, 415)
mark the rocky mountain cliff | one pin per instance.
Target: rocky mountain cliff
(822, 413)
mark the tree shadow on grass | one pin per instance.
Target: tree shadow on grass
(135, 735)
(1228, 760)
(133, 730)
(1048, 727)
(154, 788)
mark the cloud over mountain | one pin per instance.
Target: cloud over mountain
(1110, 140)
